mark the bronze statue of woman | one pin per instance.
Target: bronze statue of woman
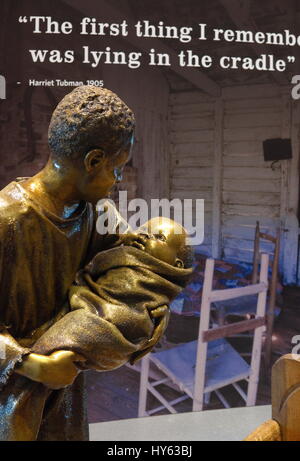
(47, 226)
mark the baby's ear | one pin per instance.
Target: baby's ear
(179, 263)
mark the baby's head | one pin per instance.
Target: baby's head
(167, 240)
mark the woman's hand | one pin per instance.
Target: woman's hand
(55, 371)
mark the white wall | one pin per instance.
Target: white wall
(147, 93)
(192, 131)
(216, 154)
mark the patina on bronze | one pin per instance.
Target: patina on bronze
(120, 301)
(47, 235)
(117, 311)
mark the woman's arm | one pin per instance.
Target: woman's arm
(55, 371)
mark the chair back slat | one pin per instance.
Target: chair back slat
(204, 324)
(258, 333)
(231, 293)
(232, 329)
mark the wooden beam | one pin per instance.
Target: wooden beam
(288, 209)
(217, 178)
(292, 23)
(91, 8)
(268, 237)
(286, 126)
(232, 329)
(238, 12)
(232, 293)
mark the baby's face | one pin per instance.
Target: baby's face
(165, 238)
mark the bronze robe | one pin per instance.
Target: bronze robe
(40, 255)
(116, 308)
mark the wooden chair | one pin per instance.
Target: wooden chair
(247, 306)
(273, 285)
(204, 366)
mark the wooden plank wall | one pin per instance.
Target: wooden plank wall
(191, 128)
(147, 93)
(219, 157)
(251, 189)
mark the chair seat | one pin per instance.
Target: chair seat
(223, 366)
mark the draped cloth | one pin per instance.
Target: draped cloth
(115, 306)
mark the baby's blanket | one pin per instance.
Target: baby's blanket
(119, 308)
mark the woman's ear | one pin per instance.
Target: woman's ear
(93, 158)
(179, 263)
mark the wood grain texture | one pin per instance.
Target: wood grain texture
(285, 423)
(286, 396)
(225, 159)
(232, 329)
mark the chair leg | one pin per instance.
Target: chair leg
(143, 386)
(271, 307)
(252, 391)
(221, 317)
(256, 254)
(255, 368)
(161, 399)
(207, 396)
(268, 345)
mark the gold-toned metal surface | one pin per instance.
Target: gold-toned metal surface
(285, 425)
(46, 230)
(269, 431)
(122, 295)
(286, 396)
(53, 327)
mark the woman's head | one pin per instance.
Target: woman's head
(87, 118)
(91, 131)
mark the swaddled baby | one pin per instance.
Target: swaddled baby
(120, 302)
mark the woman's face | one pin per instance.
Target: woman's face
(104, 173)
